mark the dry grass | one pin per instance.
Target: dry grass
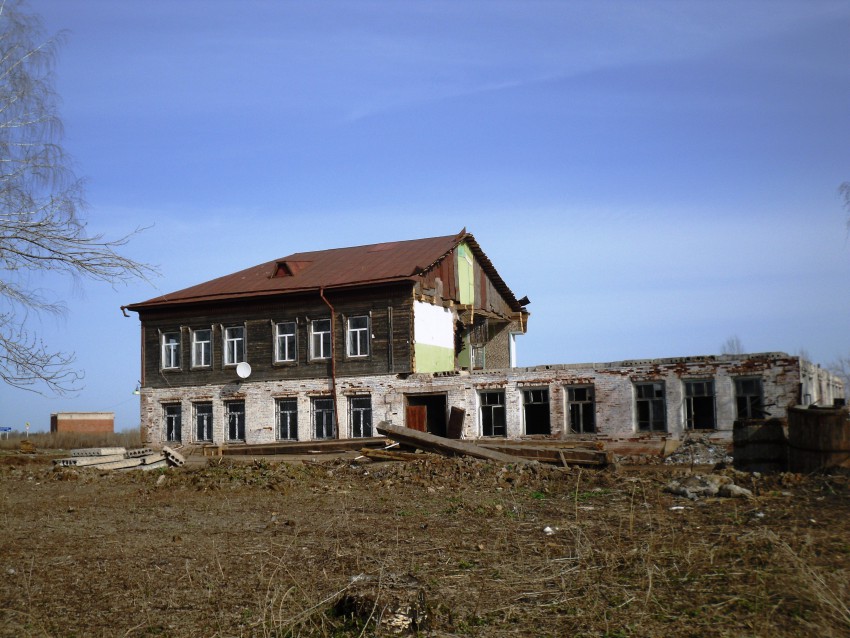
(72, 440)
(259, 549)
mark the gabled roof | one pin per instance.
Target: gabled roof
(335, 268)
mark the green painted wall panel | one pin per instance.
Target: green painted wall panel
(465, 274)
(433, 358)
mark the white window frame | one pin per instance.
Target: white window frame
(207, 422)
(322, 409)
(283, 420)
(325, 340)
(354, 348)
(360, 416)
(285, 348)
(232, 358)
(195, 343)
(235, 421)
(170, 356)
(172, 416)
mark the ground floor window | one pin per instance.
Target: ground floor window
(582, 409)
(287, 419)
(173, 416)
(749, 398)
(536, 411)
(699, 405)
(361, 416)
(235, 412)
(493, 413)
(203, 421)
(323, 418)
(650, 407)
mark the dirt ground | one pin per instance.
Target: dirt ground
(256, 548)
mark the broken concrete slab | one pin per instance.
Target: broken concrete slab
(98, 451)
(83, 461)
(118, 465)
(137, 452)
(173, 457)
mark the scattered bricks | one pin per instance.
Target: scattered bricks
(99, 451)
(139, 452)
(88, 460)
(174, 458)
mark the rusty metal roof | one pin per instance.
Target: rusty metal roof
(335, 268)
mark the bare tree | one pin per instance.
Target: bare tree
(732, 345)
(41, 202)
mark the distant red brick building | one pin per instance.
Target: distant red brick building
(83, 422)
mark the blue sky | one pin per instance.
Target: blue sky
(655, 176)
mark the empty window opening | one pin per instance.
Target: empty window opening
(699, 405)
(170, 350)
(582, 409)
(427, 413)
(201, 348)
(493, 414)
(361, 416)
(536, 411)
(203, 421)
(649, 400)
(320, 339)
(173, 415)
(234, 345)
(235, 411)
(285, 341)
(287, 419)
(358, 336)
(749, 398)
(323, 418)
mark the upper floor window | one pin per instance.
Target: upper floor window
(582, 408)
(358, 336)
(201, 348)
(650, 404)
(320, 339)
(170, 350)
(234, 345)
(749, 398)
(285, 341)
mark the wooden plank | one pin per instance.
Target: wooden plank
(389, 455)
(455, 427)
(565, 456)
(448, 447)
(416, 417)
(302, 447)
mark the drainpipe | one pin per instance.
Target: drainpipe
(333, 361)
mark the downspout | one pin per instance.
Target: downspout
(333, 361)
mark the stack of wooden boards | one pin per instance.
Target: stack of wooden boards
(119, 458)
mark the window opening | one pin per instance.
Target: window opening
(749, 398)
(287, 419)
(285, 341)
(320, 341)
(201, 348)
(323, 418)
(173, 425)
(699, 405)
(170, 350)
(203, 421)
(358, 336)
(493, 414)
(234, 345)
(235, 420)
(649, 399)
(582, 409)
(361, 416)
(536, 408)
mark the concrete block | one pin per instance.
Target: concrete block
(88, 460)
(173, 457)
(152, 458)
(156, 465)
(117, 465)
(138, 452)
(98, 451)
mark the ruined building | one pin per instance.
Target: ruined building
(325, 344)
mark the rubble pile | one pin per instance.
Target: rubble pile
(119, 458)
(699, 450)
(699, 486)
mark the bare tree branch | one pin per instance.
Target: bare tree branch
(41, 204)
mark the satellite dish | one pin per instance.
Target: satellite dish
(243, 370)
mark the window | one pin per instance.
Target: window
(699, 405)
(287, 419)
(493, 413)
(323, 418)
(203, 421)
(361, 416)
(320, 339)
(582, 409)
(201, 348)
(285, 341)
(234, 345)
(235, 412)
(358, 336)
(749, 398)
(649, 399)
(173, 416)
(536, 409)
(478, 357)
(170, 350)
